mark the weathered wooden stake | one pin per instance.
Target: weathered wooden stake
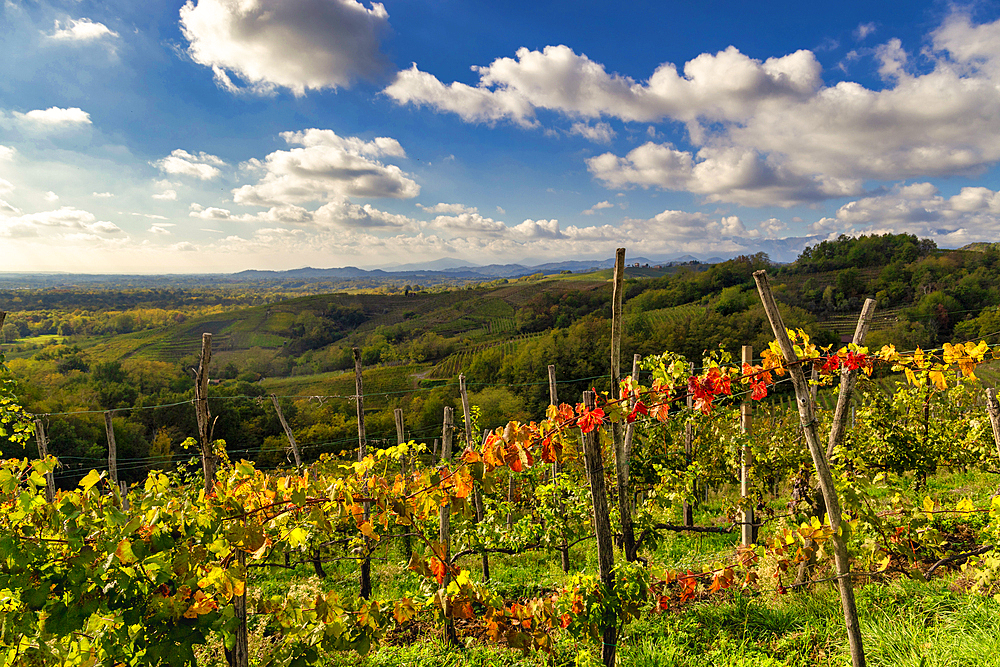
(993, 409)
(748, 532)
(617, 428)
(403, 462)
(477, 495)
(288, 433)
(123, 488)
(109, 428)
(366, 564)
(239, 655)
(556, 469)
(807, 417)
(848, 379)
(688, 508)
(208, 458)
(444, 513)
(43, 451)
(602, 526)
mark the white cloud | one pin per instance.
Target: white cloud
(501, 210)
(82, 30)
(8, 208)
(971, 215)
(538, 229)
(158, 230)
(733, 175)
(6, 186)
(202, 166)
(342, 213)
(449, 208)
(166, 195)
(55, 116)
(51, 196)
(863, 30)
(301, 45)
(600, 132)
(65, 218)
(725, 85)
(102, 195)
(762, 133)
(469, 223)
(327, 167)
(598, 206)
(7, 153)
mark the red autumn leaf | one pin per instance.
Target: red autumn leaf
(564, 621)
(663, 603)
(759, 390)
(590, 419)
(639, 409)
(438, 568)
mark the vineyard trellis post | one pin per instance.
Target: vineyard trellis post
(208, 462)
(444, 513)
(617, 429)
(748, 532)
(602, 527)
(993, 409)
(288, 433)
(622, 470)
(477, 495)
(366, 564)
(688, 509)
(43, 452)
(403, 462)
(807, 417)
(109, 428)
(848, 379)
(556, 469)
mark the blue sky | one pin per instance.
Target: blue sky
(221, 135)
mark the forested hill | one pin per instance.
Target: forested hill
(88, 350)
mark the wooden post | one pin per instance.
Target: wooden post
(400, 439)
(848, 379)
(444, 513)
(288, 433)
(688, 509)
(993, 409)
(123, 488)
(602, 527)
(208, 459)
(366, 564)
(617, 428)
(239, 655)
(556, 469)
(748, 532)
(807, 417)
(109, 428)
(477, 495)
(43, 452)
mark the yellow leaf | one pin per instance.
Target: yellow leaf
(928, 507)
(92, 478)
(368, 531)
(937, 377)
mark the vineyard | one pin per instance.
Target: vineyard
(800, 483)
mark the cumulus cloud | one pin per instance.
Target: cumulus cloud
(599, 133)
(761, 133)
(733, 175)
(301, 45)
(82, 30)
(537, 229)
(66, 218)
(450, 208)
(159, 230)
(55, 117)
(5, 186)
(327, 167)
(7, 153)
(598, 206)
(51, 196)
(724, 85)
(469, 223)
(166, 195)
(971, 215)
(102, 195)
(202, 166)
(863, 30)
(8, 208)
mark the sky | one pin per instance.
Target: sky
(220, 135)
